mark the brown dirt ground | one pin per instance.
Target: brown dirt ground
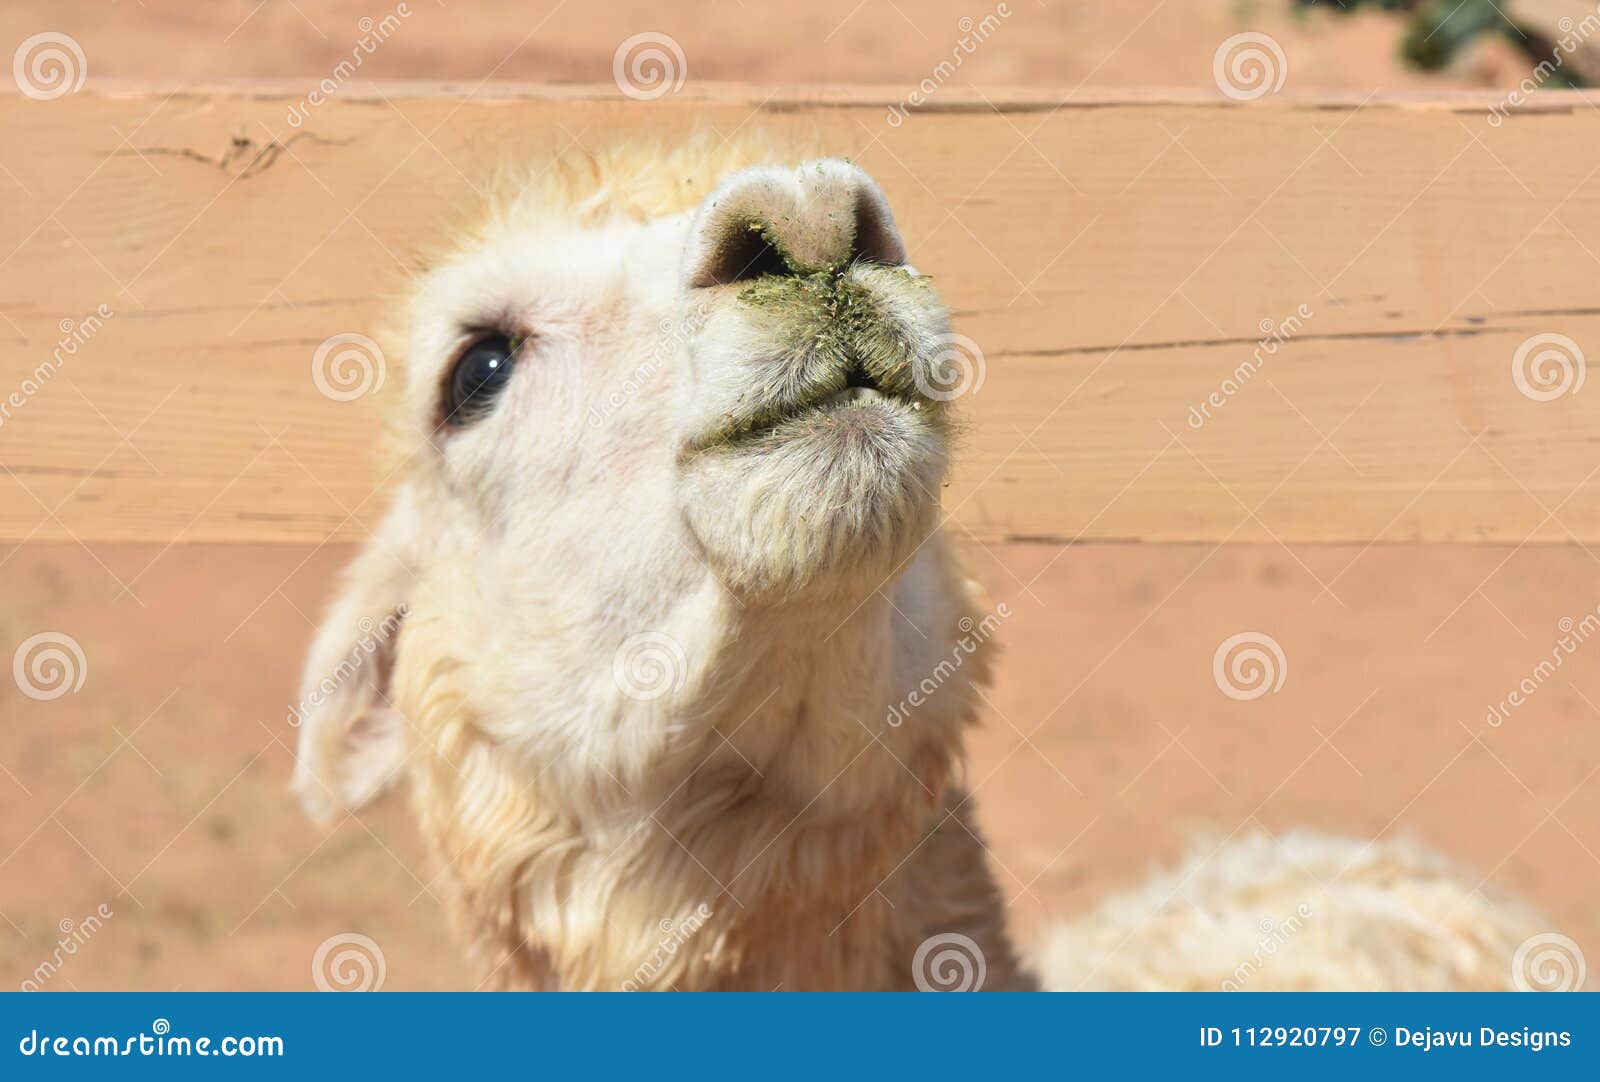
(159, 787)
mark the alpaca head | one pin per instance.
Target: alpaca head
(636, 426)
(808, 455)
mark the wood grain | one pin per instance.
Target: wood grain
(1114, 259)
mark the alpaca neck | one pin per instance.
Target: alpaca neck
(824, 822)
(789, 835)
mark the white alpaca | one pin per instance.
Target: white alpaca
(664, 549)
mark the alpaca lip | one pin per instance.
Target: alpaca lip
(860, 392)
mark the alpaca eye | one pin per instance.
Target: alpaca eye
(478, 378)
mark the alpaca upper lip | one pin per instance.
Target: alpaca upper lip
(858, 387)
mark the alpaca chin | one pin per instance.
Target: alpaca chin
(830, 502)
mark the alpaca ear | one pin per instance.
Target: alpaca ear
(352, 742)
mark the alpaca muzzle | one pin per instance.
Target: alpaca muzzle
(815, 313)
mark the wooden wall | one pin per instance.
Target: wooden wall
(1113, 259)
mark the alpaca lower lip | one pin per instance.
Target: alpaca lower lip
(849, 400)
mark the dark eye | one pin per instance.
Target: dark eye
(478, 378)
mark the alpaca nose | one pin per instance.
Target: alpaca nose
(775, 220)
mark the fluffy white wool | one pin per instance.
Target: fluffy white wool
(1299, 912)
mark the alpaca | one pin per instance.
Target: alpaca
(664, 544)
(1305, 912)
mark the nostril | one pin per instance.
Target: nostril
(876, 238)
(741, 253)
(746, 251)
(820, 217)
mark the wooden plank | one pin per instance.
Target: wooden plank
(1114, 259)
(1093, 43)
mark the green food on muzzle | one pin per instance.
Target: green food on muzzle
(840, 319)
